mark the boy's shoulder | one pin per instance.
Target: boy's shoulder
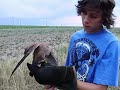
(110, 34)
(104, 33)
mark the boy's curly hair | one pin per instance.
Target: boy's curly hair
(105, 5)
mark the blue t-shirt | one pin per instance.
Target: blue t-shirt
(95, 57)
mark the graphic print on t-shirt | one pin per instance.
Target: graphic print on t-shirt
(83, 53)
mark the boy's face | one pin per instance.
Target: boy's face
(92, 19)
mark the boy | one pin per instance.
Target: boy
(94, 50)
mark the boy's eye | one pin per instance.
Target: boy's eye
(93, 16)
(90, 15)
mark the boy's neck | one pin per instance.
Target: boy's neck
(94, 31)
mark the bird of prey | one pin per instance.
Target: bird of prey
(42, 52)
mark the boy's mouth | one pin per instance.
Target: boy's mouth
(86, 27)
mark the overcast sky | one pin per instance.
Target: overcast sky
(51, 12)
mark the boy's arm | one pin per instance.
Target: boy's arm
(90, 86)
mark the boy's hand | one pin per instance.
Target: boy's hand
(49, 87)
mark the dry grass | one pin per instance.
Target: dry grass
(21, 79)
(12, 44)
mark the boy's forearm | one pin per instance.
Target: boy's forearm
(90, 86)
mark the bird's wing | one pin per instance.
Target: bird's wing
(51, 59)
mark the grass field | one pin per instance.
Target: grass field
(13, 40)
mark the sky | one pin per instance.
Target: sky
(44, 12)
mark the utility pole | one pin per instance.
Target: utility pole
(12, 18)
(46, 21)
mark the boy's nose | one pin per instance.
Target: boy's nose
(86, 19)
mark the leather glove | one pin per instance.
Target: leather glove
(60, 76)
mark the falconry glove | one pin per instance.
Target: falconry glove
(63, 77)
